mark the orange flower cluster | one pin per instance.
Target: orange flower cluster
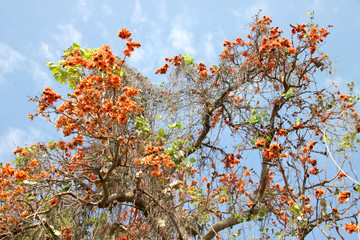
(260, 143)
(124, 34)
(272, 152)
(341, 175)
(130, 47)
(66, 231)
(319, 192)
(216, 117)
(49, 97)
(88, 104)
(53, 202)
(202, 70)
(344, 196)
(155, 157)
(314, 171)
(34, 163)
(231, 160)
(231, 181)
(350, 228)
(103, 59)
(309, 147)
(163, 69)
(20, 175)
(176, 61)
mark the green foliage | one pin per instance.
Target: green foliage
(258, 117)
(142, 127)
(288, 94)
(190, 63)
(70, 75)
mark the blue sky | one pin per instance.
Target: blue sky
(35, 32)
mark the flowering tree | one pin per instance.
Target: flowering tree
(252, 145)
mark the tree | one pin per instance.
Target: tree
(207, 154)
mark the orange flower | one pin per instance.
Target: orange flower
(34, 163)
(260, 143)
(319, 192)
(344, 196)
(24, 213)
(24, 153)
(312, 49)
(224, 199)
(155, 173)
(204, 179)
(163, 69)
(341, 175)
(124, 34)
(53, 202)
(282, 132)
(8, 170)
(350, 228)
(21, 175)
(247, 173)
(274, 147)
(292, 50)
(314, 171)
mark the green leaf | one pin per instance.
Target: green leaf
(52, 145)
(176, 125)
(296, 208)
(161, 132)
(75, 45)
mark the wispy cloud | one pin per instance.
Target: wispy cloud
(138, 15)
(41, 78)
(46, 51)
(103, 30)
(182, 40)
(107, 10)
(14, 137)
(209, 47)
(250, 11)
(84, 9)
(67, 35)
(10, 59)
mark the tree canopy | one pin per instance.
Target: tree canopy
(255, 145)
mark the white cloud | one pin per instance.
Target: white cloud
(67, 35)
(138, 15)
(10, 59)
(46, 51)
(104, 30)
(182, 40)
(41, 78)
(252, 10)
(138, 55)
(83, 9)
(17, 137)
(209, 47)
(107, 9)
